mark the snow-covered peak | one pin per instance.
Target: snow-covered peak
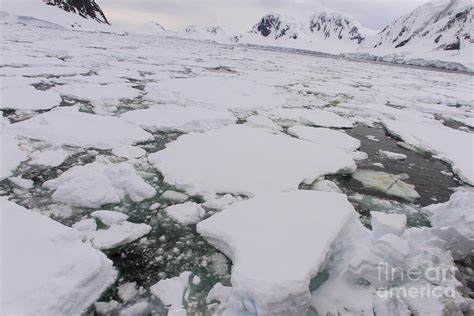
(325, 24)
(436, 25)
(84, 15)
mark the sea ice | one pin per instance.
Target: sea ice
(325, 136)
(109, 217)
(22, 183)
(186, 213)
(231, 160)
(28, 98)
(46, 268)
(388, 183)
(117, 235)
(179, 118)
(127, 291)
(129, 152)
(68, 126)
(216, 92)
(174, 196)
(11, 155)
(445, 143)
(312, 117)
(263, 121)
(392, 155)
(272, 270)
(383, 223)
(49, 158)
(171, 293)
(97, 184)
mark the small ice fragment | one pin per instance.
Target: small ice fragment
(22, 183)
(392, 155)
(174, 196)
(129, 152)
(127, 291)
(109, 218)
(383, 223)
(186, 213)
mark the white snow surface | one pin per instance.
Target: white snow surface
(46, 268)
(185, 213)
(68, 126)
(179, 118)
(231, 160)
(312, 117)
(28, 98)
(97, 184)
(325, 136)
(272, 270)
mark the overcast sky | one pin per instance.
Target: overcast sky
(241, 15)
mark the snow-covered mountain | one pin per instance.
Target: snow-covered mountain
(438, 30)
(85, 15)
(325, 30)
(151, 28)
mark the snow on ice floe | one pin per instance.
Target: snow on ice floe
(272, 270)
(445, 143)
(392, 155)
(216, 92)
(28, 98)
(263, 121)
(179, 118)
(11, 155)
(388, 183)
(129, 152)
(457, 213)
(231, 160)
(49, 158)
(68, 126)
(312, 117)
(48, 266)
(186, 213)
(97, 184)
(105, 97)
(171, 293)
(325, 136)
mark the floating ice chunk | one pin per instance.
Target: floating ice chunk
(359, 155)
(445, 143)
(392, 155)
(263, 121)
(174, 196)
(216, 92)
(313, 117)
(28, 98)
(68, 126)
(390, 306)
(48, 266)
(179, 118)
(388, 183)
(11, 156)
(272, 271)
(49, 158)
(231, 161)
(98, 94)
(372, 138)
(220, 203)
(393, 249)
(86, 225)
(457, 213)
(109, 217)
(97, 184)
(117, 235)
(367, 265)
(127, 291)
(196, 280)
(129, 152)
(137, 309)
(325, 136)
(383, 223)
(186, 213)
(171, 293)
(22, 183)
(106, 308)
(326, 186)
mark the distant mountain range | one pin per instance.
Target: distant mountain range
(441, 30)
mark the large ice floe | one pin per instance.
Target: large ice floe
(46, 267)
(97, 184)
(171, 293)
(179, 118)
(68, 126)
(244, 160)
(312, 117)
(272, 269)
(325, 136)
(453, 146)
(216, 92)
(28, 98)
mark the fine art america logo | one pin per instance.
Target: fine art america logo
(413, 288)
